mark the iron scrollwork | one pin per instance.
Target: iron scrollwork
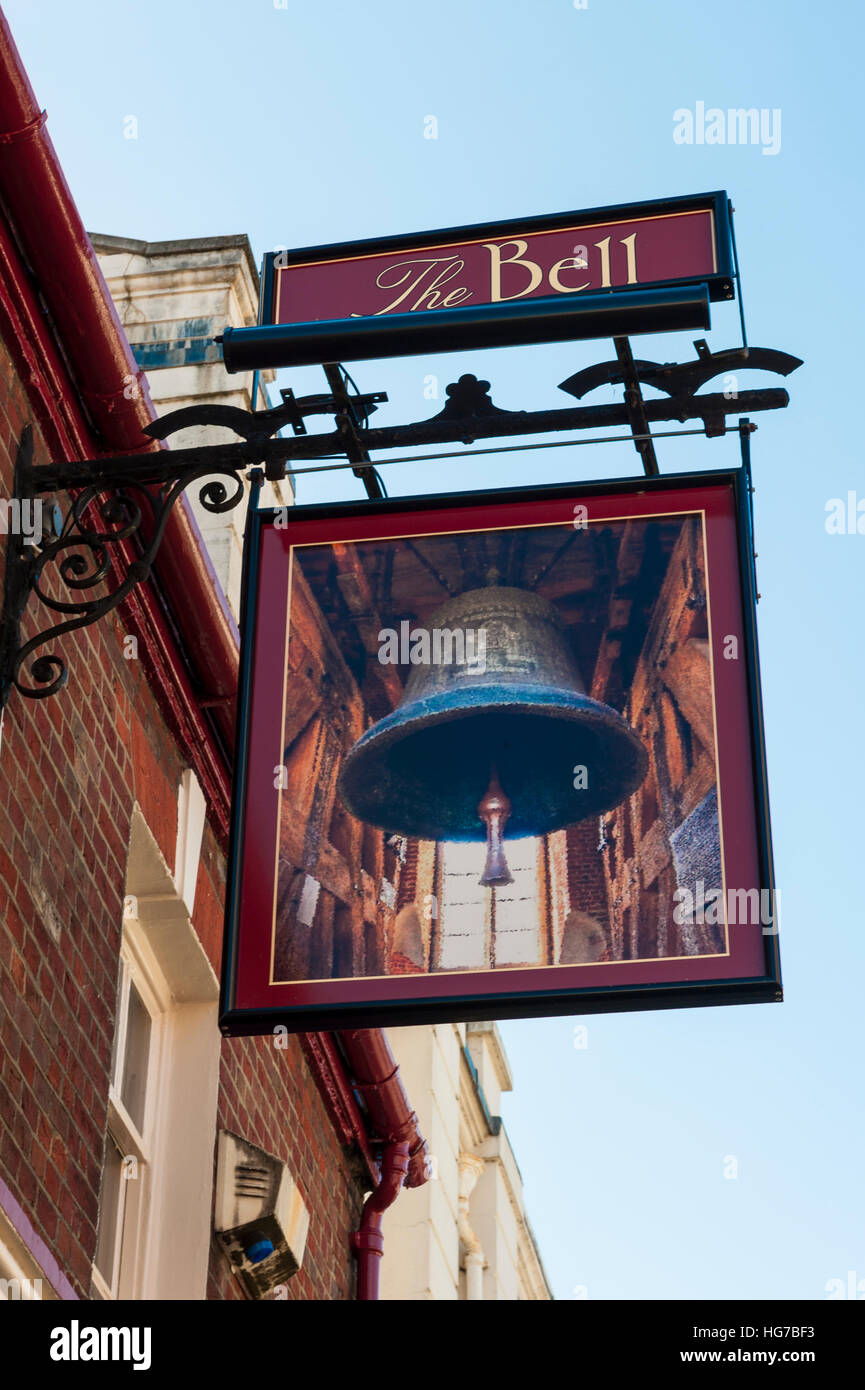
(126, 500)
(70, 561)
(83, 559)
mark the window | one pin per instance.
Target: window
(153, 1240)
(128, 1177)
(481, 928)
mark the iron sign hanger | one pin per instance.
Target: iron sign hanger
(128, 498)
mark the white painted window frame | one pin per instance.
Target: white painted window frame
(134, 1218)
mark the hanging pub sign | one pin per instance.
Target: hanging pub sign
(500, 755)
(636, 268)
(656, 243)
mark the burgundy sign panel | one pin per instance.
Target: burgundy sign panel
(589, 653)
(681, 240)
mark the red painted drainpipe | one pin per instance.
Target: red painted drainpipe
(391, 1118)
(368, 1242)
(404, 1159)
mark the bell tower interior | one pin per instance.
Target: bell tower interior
(629, 601)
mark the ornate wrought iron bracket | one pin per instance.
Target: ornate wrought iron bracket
(680, 380)
(126, 500)
(62, 560)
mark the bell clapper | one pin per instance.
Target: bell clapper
(494, 810)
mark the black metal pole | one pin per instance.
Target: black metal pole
(636, 408)
(145, 469)
(552, 319)
(349, 426)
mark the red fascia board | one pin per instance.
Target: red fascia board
(67, 434)
(114, 393)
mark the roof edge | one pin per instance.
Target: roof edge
(106, 243)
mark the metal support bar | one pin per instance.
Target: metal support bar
(122, 497)
(299, 407)
(550, 319)
(746, 429)
(18, 582)
(741, 301)
(349, 427)
(119, 469)
(635, 406)
(82, 548)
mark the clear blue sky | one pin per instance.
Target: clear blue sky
(304, 124)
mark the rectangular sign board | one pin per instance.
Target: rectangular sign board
(595, 643)
(675, 241)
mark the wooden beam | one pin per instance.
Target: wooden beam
(688, 676)
(355, 588)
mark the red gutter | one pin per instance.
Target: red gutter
(70, 291)
(392, 1120)
(115, 393)
(68, 433)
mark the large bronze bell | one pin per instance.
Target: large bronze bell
(472, 747)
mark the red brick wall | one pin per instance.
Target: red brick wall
(71, 768)
(585, 870)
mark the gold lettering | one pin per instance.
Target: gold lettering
(421, 280)
(496, 263)
(427, 263)
(406, 273)
(630, 245)
(434, 294)
(604, 248)
(568, 263)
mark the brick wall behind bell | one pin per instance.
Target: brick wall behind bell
(585, 870)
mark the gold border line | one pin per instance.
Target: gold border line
(280, 763)
(715, 734)
(480, 241)
(483, 530)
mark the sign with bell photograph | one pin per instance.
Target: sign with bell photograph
(500, 755)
